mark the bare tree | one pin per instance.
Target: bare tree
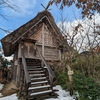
(7, 4)
(82, 35)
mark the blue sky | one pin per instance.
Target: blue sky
(29, 9)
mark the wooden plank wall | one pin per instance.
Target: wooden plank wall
(50, 53)
(50, 46)
(16, 69)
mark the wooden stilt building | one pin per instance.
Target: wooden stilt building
(33, 44)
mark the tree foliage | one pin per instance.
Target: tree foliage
(87, 88)
(3, 62)
(89, 7)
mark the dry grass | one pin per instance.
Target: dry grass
(9, 88)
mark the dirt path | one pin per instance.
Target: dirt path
(9, 89)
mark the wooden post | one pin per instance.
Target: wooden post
(70, 73)
(21, 82)
(59, 54)
(0, 75)
(43, 40)
(18, 70)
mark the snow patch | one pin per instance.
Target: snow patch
(63, 95)
(1, 86)
(1, 95)
(11, 97)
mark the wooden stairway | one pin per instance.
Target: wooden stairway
(40, 84)
(35, 80)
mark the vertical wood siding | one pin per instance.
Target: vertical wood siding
(50, 46)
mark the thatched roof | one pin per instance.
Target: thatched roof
(10, 42)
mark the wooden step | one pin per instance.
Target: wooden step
(41, 82)
(30, 63)
(39, 87)
(33, 62)
(33, 66)
(32, 75)
(42, 92)
(35, 71)
(41, 78)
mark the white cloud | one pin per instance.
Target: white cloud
(81, 39)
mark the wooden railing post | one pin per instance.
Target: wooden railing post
(25, 77)
(21, 82)
(28, 81)
(52, 76)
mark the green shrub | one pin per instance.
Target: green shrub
(62, 79)
(87, 88)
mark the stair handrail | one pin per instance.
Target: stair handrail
(52, 76)
(28, 80)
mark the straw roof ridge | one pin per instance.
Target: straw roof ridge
(12, 39)
(16, 33)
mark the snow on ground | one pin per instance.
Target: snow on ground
(1, 86)
(63, 95)
(11, 97)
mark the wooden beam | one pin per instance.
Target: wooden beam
(43, 40)
(50, 3)
(43, 6)
(28, 30)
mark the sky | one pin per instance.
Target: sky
(25, 10)
(28, 9)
